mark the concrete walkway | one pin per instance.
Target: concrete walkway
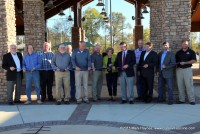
(100, 118)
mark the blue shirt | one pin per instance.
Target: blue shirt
(46, 58)
(31, 61)
(97, 60)
(81, 59)
(138, 54)
(162, 59)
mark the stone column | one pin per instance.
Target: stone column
(170, 21)
(34, 23)
(76, 36)
(156, 23)
(7, 37)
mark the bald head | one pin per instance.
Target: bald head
(69, 48)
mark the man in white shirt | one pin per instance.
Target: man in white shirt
(12, 62)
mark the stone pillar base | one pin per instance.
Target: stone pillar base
(76, 36)
(138, 34)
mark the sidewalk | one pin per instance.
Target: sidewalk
(101, 117)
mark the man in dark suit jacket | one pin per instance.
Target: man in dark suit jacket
(147, 64)
(12, 62)
(124, 62)
(166, 63)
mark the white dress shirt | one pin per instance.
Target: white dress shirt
(17, 62)
(146, 54)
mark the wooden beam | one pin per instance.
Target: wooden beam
(195, 27)
(59, 4)
(20, 30)
(85, 2)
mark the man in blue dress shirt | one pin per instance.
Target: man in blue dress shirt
(31, 64)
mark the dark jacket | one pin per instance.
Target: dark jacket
(130, 61)
(169, 62)
(151, 60)
(8, 62)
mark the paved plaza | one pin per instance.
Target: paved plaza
(101, 117)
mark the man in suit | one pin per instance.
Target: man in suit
(124, 62)
(12, 62)
(165, 66)
(147, 64)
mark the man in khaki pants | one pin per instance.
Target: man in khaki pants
(185, 58)
(81, 63)
(97, 74)
(61, 64)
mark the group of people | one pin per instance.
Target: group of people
(71, 70)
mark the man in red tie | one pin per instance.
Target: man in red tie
(124, 62)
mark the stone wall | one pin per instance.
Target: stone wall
(34, 23)
(7, 37)
(170, 20)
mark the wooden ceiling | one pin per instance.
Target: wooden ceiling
(64, 4)
(195, 16)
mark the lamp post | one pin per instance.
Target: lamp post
(111, 39)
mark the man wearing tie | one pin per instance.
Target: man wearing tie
(165, 67)
(147, 64)
(124, 62)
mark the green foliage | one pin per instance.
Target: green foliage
(92, 24)
(146, 35)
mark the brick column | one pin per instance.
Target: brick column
(76, 36)
(177, 22)
(138, 34)
(156, 23)
(170, 21)
(7, 37)
(34, 23)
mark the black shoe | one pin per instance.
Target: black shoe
(73, 99)
(138, 98)
(161, 101)
(180, 102)
(67, 102)
(51, 99)
(94, 100)
(87, 102)
(123, 102)
(99, 99)
(110, 99)
(170, 102)
(131, 102)
(58, 103)
(17, 101)
(192, 103)
(10, 103)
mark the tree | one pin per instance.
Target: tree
(92, 24)
(60, 31)
(146, 35)
(118, 26)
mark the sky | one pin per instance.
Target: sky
(121, 6)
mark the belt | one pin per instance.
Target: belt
(62, 70)
(184, 67)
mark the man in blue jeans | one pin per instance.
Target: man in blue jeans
(31, 64)
(166, 65)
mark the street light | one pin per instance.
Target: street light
(100, 3)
